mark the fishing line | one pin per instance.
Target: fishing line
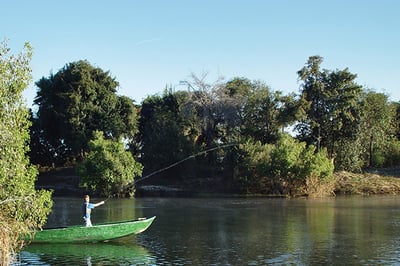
(181, 161)
(173, 165)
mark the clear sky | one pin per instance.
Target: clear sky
(148, 45)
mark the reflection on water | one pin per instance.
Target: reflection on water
(237, 231)
(88, 254)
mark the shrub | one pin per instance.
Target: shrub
(108, 168)
(288, 167)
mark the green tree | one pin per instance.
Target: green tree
(109, 168)
(40, 151)
(165, 136)
(378, 127)
(259, 114)
(262, 114)
(22, 208)
(179, 124)
(75, 102)
(330, 103)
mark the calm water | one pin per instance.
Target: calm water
(235, 231)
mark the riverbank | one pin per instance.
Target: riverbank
(65, 182)
(375, 182)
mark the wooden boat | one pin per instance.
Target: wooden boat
(95, 233)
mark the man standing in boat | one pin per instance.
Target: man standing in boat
(87, 209)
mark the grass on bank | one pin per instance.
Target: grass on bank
(366, 184)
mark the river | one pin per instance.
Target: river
(234, 231)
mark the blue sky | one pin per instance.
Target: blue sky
(148, 45)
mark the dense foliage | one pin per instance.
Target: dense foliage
(72, 104)
(378, 128)
(165, 136)
(330, 102)
(108, 168)
(332, 121)
(22, 208)
(288, 167)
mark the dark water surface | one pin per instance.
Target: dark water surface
(234, 231)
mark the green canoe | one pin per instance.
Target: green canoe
(95, 233)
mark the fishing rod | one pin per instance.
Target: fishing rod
(132, 184)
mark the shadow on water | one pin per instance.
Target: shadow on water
(112, 253)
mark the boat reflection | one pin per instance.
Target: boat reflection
(111, 253)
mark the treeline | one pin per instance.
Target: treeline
(273, 143)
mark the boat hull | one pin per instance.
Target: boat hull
(96, 233)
